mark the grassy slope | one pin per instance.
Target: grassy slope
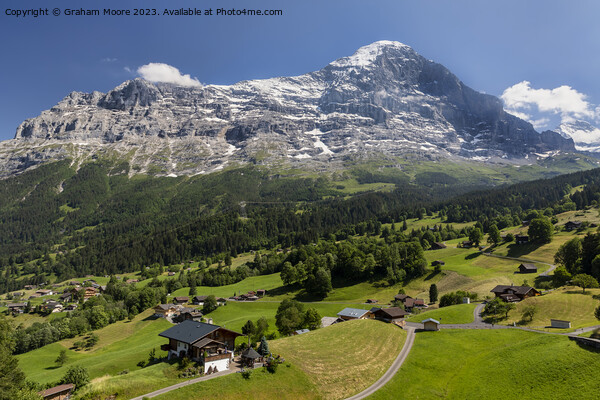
(466, 364)
(567, 303)
(122, 345)
(458, 314)
(345, 358)
(330, 363)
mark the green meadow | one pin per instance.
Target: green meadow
(491, 364)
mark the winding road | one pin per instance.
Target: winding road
(389, 374)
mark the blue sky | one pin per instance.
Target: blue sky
(491, 46)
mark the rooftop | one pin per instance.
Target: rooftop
(352, 312)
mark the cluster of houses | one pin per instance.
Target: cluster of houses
(250, 296)
(65, 301)
(177, 313)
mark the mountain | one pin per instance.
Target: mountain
(585, 135)
(385, 101)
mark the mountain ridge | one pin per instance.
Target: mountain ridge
(385, 100)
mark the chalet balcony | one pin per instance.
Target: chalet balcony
(165, 347)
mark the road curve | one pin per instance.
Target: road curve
(182, 384)
(389, 374)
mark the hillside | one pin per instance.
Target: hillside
(476, 364)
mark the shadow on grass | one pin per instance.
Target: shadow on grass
(52, 367)
(519, 250)
(472, 256)
(432, 275)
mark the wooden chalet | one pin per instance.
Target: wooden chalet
(199, 300)
(16, 308)
(391, 314)
(521, 239)
(513, 294)
(527, 268)
(437, 246)
(467, 243)
(89, 292)
(181, 300)
(354, 313)
(192, 314)
(572, 225)
(29, 287)
(44, 292)
(166, 310)
(60, 392)
(211, 345)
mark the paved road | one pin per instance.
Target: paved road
(186, 383)
(389, 374)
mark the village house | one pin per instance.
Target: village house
(513, 294)
(261, 292)
(211, 345)
(391, 314)
(199, 300)
(88, 292)
(572, 225)
(527, 268)
(467, 243)
(16, 308)
(44, 292)
(52, 306)
(71, 307)
(66, 297)
(166, 310)
(60, 392)
(408, 302)
(353, 313)
(30, 287)
(437, 246)
(181, 300)
(191, 314)
(521, 239)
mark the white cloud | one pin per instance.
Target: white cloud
(563, 100)
(159, 72)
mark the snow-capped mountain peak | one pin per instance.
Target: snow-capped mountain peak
(585, 135)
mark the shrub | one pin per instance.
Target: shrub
(246, 373)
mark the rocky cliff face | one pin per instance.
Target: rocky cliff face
(385, 100)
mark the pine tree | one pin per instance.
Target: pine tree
(433, 293)
(263, 348)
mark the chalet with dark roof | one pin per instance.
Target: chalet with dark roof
(181, 300)
(513, 294)
(467, 243)
(16, 308)
(527, 268)
(391, 314)
(521, 239)
(211, 345)
(60, 392)
(437, 246)
(572, 225)
(199, 300)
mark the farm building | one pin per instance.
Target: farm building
(211, 345)
(437, 246)
(181, 300)
(392, 314)
(513, 294)
(521, 239)
(61, 392)
(559, 323)
(572, 225)
(431, 324)
(353, 313)
(527, 268)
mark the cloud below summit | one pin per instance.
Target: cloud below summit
(160, 72)
(522, 100)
